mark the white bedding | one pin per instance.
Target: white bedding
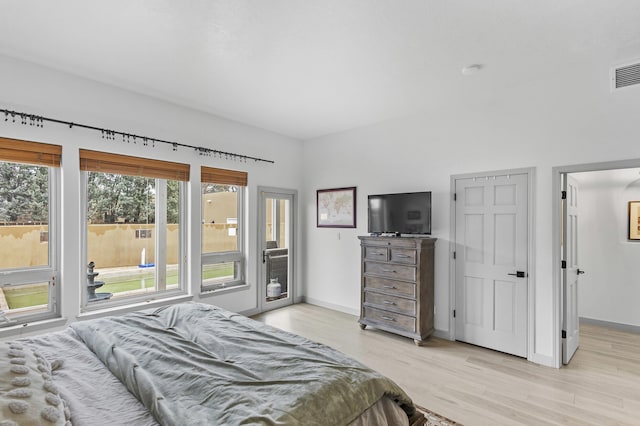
(96, 397)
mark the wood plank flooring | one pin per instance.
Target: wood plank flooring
(477, 386)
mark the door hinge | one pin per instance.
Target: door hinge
(564, 264)
(564, 334)
(454, 313)
(564, 195)
(454, 254)
(455, 197)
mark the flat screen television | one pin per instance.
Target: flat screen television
(405, 213)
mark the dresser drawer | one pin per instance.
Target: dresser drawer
(400, 272)
(391, 319)
(392, 303)
(376, 253)
(403, 255)
(390, 287)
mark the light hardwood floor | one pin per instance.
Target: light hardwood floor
(477, 386)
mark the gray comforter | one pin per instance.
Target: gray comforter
(194, 364)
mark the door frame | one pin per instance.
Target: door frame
(531, 177)
(292, 278)
(556, 225)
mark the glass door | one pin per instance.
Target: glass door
(276, 248)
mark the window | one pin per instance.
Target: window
(143, 233)
(135, 233)
(222, 228)
(28, 231)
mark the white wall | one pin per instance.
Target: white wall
(33, 89)
(610, 288)
(572, 118)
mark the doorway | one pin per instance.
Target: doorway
(492, 259)
(606, 255)
(276, 227)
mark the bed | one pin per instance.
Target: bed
(190, 364)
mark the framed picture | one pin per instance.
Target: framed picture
(634, 220)
(336, 208)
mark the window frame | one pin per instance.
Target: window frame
(238, 257)
(160, 202)
(38, 155)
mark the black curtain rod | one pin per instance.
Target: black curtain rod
(38, 121)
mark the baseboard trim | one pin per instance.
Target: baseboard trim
(250, 312)
(331, 306)
(442, 334)
(546, 360)
(615, 325)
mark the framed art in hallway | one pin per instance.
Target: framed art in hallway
(336, 208)
(634, 220)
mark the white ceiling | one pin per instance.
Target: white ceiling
(307, 68)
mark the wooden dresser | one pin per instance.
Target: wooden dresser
(397, 285)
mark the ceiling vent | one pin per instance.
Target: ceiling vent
(625, 76)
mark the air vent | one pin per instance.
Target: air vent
(626, 76)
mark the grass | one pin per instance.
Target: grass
(25, 296)
(37, 294)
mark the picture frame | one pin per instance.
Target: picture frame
(336, 208)
(634, 220)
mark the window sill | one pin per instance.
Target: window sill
(122, 309)
(34, 327)
(219, 291)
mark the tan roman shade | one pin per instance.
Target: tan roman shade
(18, 151)
(222, 176)
(96, 161)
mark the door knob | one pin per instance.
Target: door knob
(580, 272)
(519, 274)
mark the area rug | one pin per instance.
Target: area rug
(435, 419)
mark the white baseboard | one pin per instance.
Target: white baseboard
(331, 306)
(615, 325)
(546, 360)
(442, 334)
(250, 312)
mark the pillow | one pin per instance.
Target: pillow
(28, 395)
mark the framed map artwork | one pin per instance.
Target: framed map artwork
(634, 220)
(336, 208)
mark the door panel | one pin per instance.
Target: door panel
(505, 240)
(276, 238)
(474, 238)
(505, 296)
(571, 325)
(492, 243)
(474, 301)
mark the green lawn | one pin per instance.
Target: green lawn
(33, 295)
(22, 297)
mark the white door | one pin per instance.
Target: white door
(570, 322)
(276, 227)
(491, 214)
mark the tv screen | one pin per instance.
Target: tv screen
(407, 213)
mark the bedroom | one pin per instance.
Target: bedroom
(543, 99)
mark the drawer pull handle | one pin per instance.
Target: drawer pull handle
(379, 254)
(389, 286)
(388, 270)
(404, 256)
(386, 302)
(388, 318)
